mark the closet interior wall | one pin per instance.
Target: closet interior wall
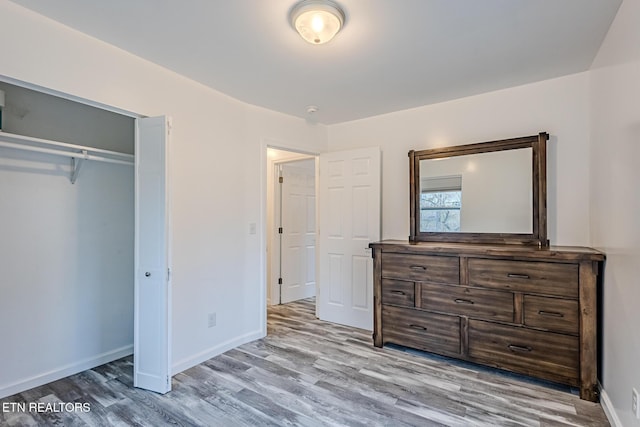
(66, 250)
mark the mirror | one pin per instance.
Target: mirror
(491, 192)
(477, 193)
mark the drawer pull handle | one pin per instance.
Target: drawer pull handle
(398, 292)
(463, 301)
(418, 267)
(550, 313)
(518, 276)
(422, 328)
(519, 348)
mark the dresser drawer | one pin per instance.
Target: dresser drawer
(554, 314)
(429, 268)
(544, 354)
(418, 329)
(525, 276)
(479, 303)
(398, 292)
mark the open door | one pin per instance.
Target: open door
(151, 360)
(349, 220)
(297, 230)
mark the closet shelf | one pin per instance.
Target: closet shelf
(77, 153)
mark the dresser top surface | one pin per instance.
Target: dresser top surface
(560, 253)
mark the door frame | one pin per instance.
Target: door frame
(265, 169)
(69, 97)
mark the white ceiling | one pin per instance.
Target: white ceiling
(391, 54)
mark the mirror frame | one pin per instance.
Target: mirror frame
(538, 237)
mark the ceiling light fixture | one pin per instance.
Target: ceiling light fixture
(317, 21)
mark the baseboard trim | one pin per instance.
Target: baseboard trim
(609, 410)
(207, 354)
(64, 371)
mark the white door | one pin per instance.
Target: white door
(298, 237)
(151, 361)
(349, 202)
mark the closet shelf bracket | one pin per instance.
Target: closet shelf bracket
(76, 164)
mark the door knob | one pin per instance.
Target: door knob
(147, 274)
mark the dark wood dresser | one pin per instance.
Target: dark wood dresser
(520, 308)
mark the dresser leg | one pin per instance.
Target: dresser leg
(588, 332)
(590, 393)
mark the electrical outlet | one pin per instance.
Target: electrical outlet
(634, 403)
(212, 320)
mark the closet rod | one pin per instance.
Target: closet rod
(98, 154)
(85, 156)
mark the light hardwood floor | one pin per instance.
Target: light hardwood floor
(312, 373)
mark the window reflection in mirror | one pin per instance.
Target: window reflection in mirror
(440, 203)
(477, 193)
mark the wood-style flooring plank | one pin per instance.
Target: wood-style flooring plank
(312, 373)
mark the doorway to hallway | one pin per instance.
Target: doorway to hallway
(291, 225)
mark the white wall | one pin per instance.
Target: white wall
(615, 202)
(218, 165)
(558, 106)
(66, 251)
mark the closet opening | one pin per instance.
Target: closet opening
(67, 235)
